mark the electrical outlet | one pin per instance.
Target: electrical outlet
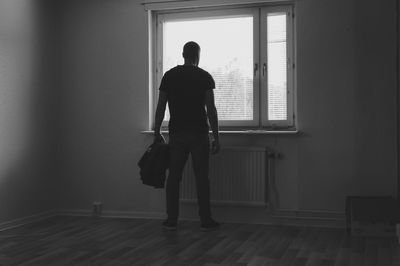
(97, 208)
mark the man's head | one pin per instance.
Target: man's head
(191, 53)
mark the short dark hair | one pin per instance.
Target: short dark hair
(191, 50)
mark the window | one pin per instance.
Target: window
(248, 51)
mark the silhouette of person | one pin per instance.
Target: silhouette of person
(188, 89)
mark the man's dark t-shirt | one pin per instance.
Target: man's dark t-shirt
(186, 88)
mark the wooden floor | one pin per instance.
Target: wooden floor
(65, 240)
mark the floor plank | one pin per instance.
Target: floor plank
(64, 240)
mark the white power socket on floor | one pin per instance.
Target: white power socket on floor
(97, 208)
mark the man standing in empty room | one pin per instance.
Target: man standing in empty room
(188, 89)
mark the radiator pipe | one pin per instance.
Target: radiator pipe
(271, 191)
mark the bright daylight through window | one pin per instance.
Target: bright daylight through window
(277, 64)
(249, 53)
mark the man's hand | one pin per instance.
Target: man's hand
(158, 138)
(160, 111)
(213, 119)
(215, 147)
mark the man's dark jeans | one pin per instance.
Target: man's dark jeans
(181, 144)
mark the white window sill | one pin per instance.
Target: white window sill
(242, 132)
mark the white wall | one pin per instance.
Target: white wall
(346, 107)
(106, 105)
(24, 151)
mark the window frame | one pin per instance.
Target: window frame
(260, 111)
(289, 122)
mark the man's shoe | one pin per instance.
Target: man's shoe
(170, 226)
(210, 225)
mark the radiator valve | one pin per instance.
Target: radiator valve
(275, 155)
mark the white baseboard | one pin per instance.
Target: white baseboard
(71, 212)
(279, 217)
(137, 215)
(114, 214)
(26, 220)
(269, 215)
(313, 218)
(308, 218)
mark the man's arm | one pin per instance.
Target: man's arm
(213, 118)
(159, 117)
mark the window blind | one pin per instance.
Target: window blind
(277, 66)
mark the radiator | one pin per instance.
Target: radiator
(238, 176)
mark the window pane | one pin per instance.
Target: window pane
(226, 53)
(277, 63)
